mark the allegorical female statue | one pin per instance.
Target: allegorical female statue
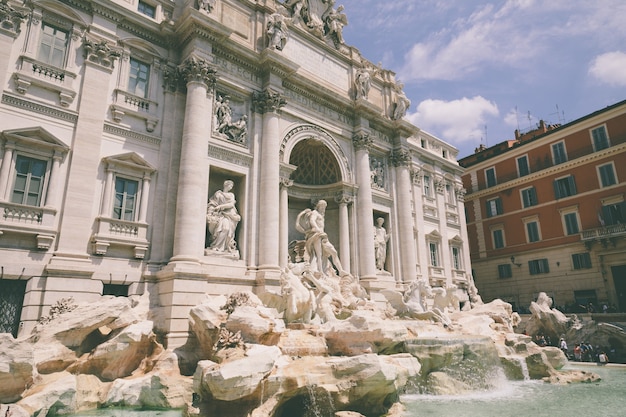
(222, 219)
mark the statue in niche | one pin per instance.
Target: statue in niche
(276, 31)
(402, 104)
(334, 21)
(235, 131)
(377, 174)
(222, 219)
(206, 5)
(319, 249)
(381, 237)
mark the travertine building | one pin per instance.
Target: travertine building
(546, 213)
(170, 146)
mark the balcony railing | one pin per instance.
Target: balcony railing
(604, 232)
(540, 164)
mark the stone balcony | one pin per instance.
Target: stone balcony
(604, 235)
(29, 220)
(32, 72)
(120, 233)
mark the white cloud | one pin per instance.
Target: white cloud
(609, 68)
(457, 121)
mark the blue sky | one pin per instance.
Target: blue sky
(476, 70)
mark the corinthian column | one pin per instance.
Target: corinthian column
(344, 230)
(364, 209)
(283, 235)
(268, 103)
(401, 159)
(190, 224)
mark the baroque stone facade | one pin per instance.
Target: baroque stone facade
(169, 146)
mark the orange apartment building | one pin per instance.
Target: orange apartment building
(546, 212)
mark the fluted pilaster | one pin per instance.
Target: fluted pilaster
(401, 159)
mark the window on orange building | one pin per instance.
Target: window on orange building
(505, 271)
(581, 260)
(614, 213)
(564, 187)
(522, 166)
(532, 231)
(570, 221)
(600, 138)
(559, 155)
(498, 238)
(529, 197)
(490, 176)
(607, 175)
(494, 207)
(538, 266)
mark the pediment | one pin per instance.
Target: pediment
(130, 160)
(35, 136)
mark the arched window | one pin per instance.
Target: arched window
(316, 163)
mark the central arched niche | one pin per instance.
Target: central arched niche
(318, 175)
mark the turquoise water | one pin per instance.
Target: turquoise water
(533, 398)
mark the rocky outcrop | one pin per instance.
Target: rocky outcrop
(247, 361)
(546, 320)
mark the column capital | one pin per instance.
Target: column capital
(100, 52)
(198, 70)
(286, 182)
(268, 101)
(401, 157)
(362, 141)
(343, 198)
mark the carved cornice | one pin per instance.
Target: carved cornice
(229, 156)
(117, 131)
(39, 108)
(267, 101)
(362, 141)
(198, 70)
(400, 157)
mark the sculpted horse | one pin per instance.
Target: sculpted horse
(412, 304)
(300, 301)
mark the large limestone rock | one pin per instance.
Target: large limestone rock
(122, 354)
(301, 342)
(364, 332)
(55, 393)
(236, 379)
(156, 390)
(17, 369)
(546, 320)
(257, 324)
(205, 321)
(84, 327)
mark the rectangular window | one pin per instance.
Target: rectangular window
(558, 153)
(494, 207)
(522, 166)
(607, 175)
(571, 223)
(600, 138)
(490, 175)
(538, 266)
(532, 229)
(505, 271)
(564, 187)
(427, 186)
(53, 45)
(434, 254)
(529, 197)
(138, 78)
(125, 199)
(147, 9)
(29, 179)
(498, 238)
(581, 260)
(614, 214)
(456, 258)
(118, 290)
(451, 194)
